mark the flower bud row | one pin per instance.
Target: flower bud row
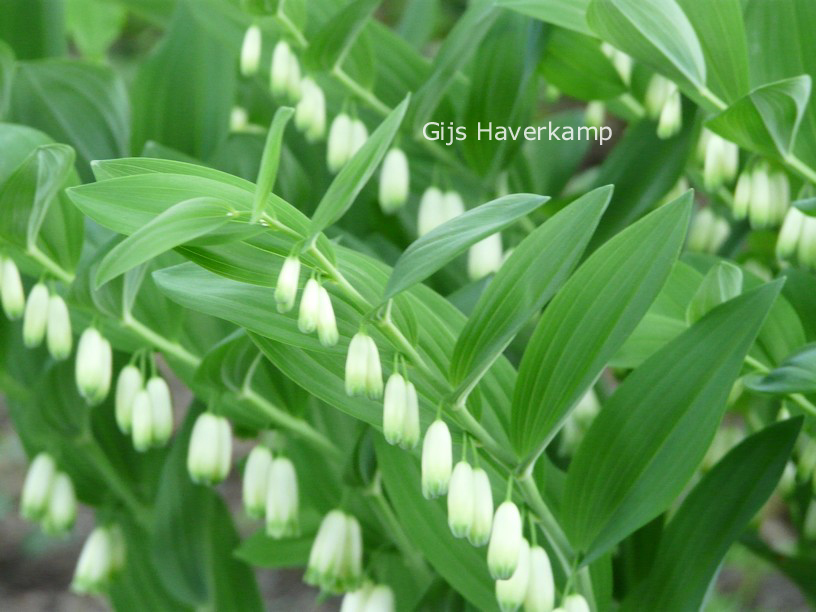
(48, 496)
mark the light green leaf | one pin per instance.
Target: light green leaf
(6, 77)
(330, 45)
(657, 33)
(797, 374)
(177, 225)
(270, 160)
(570, 14)
(355, 174)
(576, 65)
(524, 284)
(260, 550)
(589, 319)
(711, 519)
(767, 119)
(94, 25)
(651, 435)
(436, 248)
(722, 283)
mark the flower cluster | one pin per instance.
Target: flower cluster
(336, 559)
(102, 557)
(762, 196)
(145, 411)
(708, 231)
(346, 136)
(46, 317)
(270, 491)
(48, 496)
(316, 312)
(797, 238)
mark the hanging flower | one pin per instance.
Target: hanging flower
(797, 238)
(336, 559)
(93, 366)
(460, 500)
(287, 285)
(11, 290)
(282, 500)
(437, 460)
(394, 181)
(540, 596)
(309, 307)
(37, 487)
(401, 412)
(326, 323)
(59, 336)
(310, 112)
(511, 593)
(96, 563)
(62, 506)
(284, 78)
(35, 318)
(708, 231)
(128, 385)
(482, 522)
(505, 541)
(256, 481)
(671, 115)
(251, 51)
(485, 257)
(210, 452)
(339, 145)
(363, 370)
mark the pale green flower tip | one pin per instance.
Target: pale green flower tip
(35, 318)
(394, 181)
(210, 450)
(11, 290)
(335, 560)
(326, 323)
(37, 487)
(437, 460)
(283, 529)
(510, 593)
(59, 335)
(128, 384)
(287, 285)
(255, 481)
(93, 569)
(251, 51)
(505, 541)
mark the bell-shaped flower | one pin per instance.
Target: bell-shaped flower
(310, 112)
(394, 181)
(359, 136)
(671, 115)
(11, 290)
(340, 141)
(326, 324)
(540, 596)
(59, 336)
(708, 231)
(575, 603)
(282, 499)
(336, 558)
(37, 487)
(251, 51)
(510, 593)
(431, 210)
(62, 506)
(460, 500)
(621, 61)
(93, 570)
(363, 369)
(797, 238)
(93, 366)
(505, 541)
(284, 77)
(437, 460)
(128, 384)
(482, 522)
(485, 257)
(380, 599)
(309, 307)
(256, 479)
(210, 452)
(657, 93)
(35, 318)
(720, 159)
(161, 404)
(142, 421)
(401, 412)
(287, 285)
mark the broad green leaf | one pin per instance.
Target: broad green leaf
(721, 30)
(576, 65)
(589, 319)
(711, 519)
(436, 248)
(193, 538)
(355, 174)
(330, 45)
(651, 435)
(657, 33)
(177, 225)
(418, 21)
(525, 282)
(260, 550)
(458, 47)
(94, 25)
(17, 142)
(183, 92)
(797, 374)
(766, 120)
(82, 104)
(33, 28)
(570, 14)
(6, 77)
(459, 563)
(722, 283)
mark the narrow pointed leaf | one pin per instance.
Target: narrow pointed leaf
(722, 283)
(797, 374)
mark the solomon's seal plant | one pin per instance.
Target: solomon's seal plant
(258, 314)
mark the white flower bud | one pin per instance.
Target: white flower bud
(394, 181)
(363, 370)
(719, 165)
(657, 93)
(128, 384)
(285, 73)
(335, 561)
(595, 114)
(505, 541)
(95, 563)
(239, 119)
(62, 506)
(142, 421)
(671, 116)
(760, 202)
(287, 285)
(401, 412)
(485, 257)
(93, 366)
(460, 500)
(511, 593)
(431, 210)
(780, 196)
(359, 135)
(788, 241)
(326, 323)
(708, 231)
(210, 450)
(355, 601)
(338, 149)
(575, 603)
(310, 112)
(620, 60)
(256, 479)
(37, 487)
(11, 288)
(540, 595)
(251, 51)
(36, 316)
(410, 423)
(59, 336)
(480, 526)
(437, 460)
(309, 307)
(380, 599)
(161, 404)
(282, 499)
(806, 252)
(742, 195)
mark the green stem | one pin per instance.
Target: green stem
(366, 95)
(158, 341)
(49, 264)
(120, 488)
(799, 399)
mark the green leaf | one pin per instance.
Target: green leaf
(6, 77)
(271, 160)
(193, 538)
(355, 174)
(570, 14)
(33, 28)
(84, 105)
(459, 563)
(576, 65)
(589, 319)
(797, 374)
(262, 551)
(329, 46)
(722, 283)
(525, 282)
(436, 248)
(94, 25)
(651, 435)
(177, 225)
(457, 48)
(701, 532)
(657, 33)
(766, 120)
